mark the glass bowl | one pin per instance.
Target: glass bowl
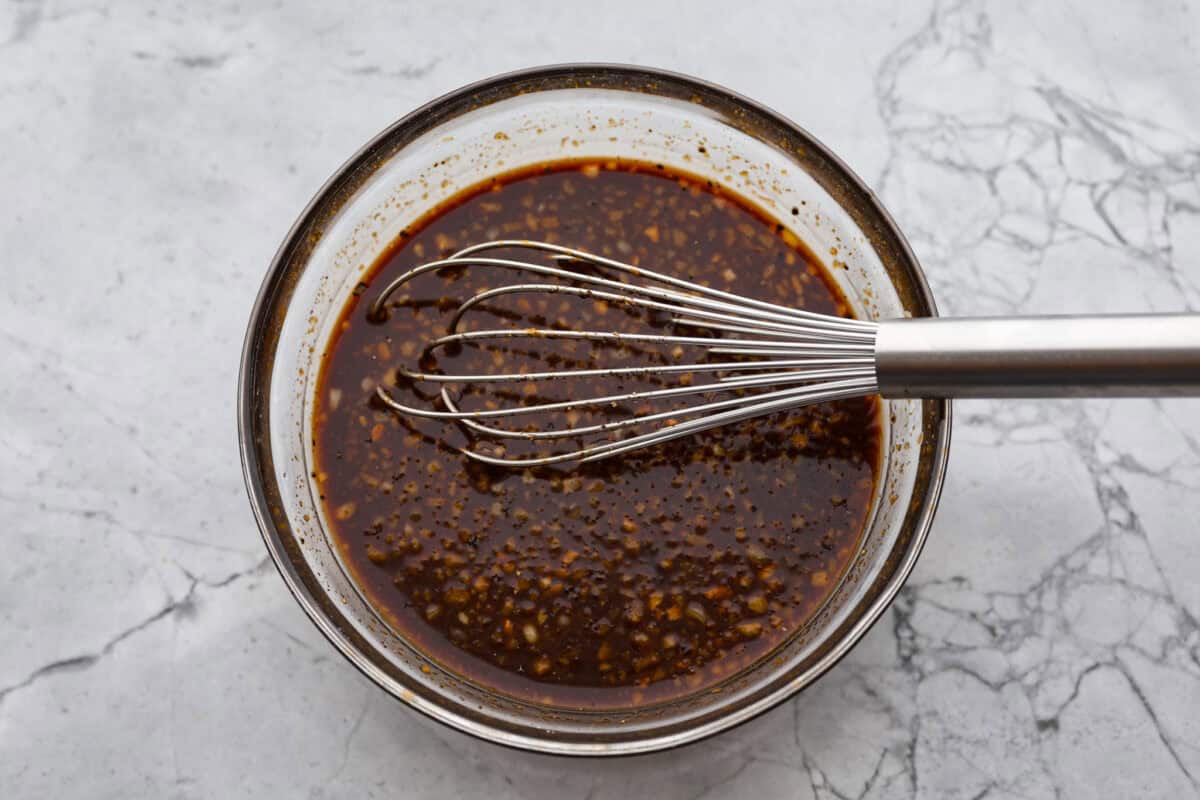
(501, 124)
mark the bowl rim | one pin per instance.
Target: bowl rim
(249, 397)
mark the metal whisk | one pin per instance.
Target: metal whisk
(772, 358)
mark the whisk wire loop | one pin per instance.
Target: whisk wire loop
(785, 357)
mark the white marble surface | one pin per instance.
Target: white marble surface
(1042, 157)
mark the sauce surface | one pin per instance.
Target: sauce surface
(632, 580)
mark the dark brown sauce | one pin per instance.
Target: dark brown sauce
(633, 580)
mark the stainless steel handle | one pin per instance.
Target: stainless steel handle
(1112, 356)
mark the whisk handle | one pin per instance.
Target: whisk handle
(1068, 356)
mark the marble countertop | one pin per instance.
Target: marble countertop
(1042, 157)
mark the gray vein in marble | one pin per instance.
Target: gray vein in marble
(28, 17)
(182, 606)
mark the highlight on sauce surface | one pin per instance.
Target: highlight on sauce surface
(632, 580)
